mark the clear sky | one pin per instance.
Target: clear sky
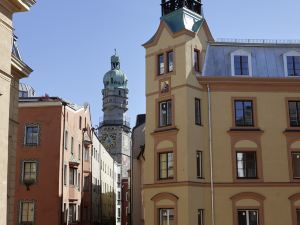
(68, 43)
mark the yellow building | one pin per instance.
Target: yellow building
(223, 126)
(11, 70)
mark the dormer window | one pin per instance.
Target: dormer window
(292, 64)
(241, 63)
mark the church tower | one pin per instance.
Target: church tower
(114, 130)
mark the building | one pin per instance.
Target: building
(12, 69)
(53, 170)
(222, 130)
(108, 188)
(96, 180)
(136, 179)
(125, 212)
(115, 128)
(118, 188)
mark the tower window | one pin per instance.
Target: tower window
(166, 168)
(196, 60)
(170, 61)
(161, 64)
(165, 113)
(293, 65)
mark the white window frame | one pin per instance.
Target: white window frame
(290, 53)
(241, 52)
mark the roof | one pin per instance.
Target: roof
(267, 56)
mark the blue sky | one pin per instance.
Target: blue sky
(69, 43)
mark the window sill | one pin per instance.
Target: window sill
(164, 129)
(292, 129)
(248, 180)
(247, 129)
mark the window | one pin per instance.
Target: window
(86, 154)
(243, 113)
(65, 174)
(72, 213)
(199, 164)
(166, 169)
(119, 212)
(80, 122)
(73, 176)
(293, 65)
(27, 213)
(29, 171)
(200, 217)
(197, 111)
(66, 139)
(166, 217)
(296, 164)
(196, 60)
(79, 152)
(294, 113)
(246, 165)
(248, 217)
(86, 184)
(161, 64)
(241, 65)
(170, 61)
(165, 113)
(31, 135)
(78, 182)
(72, 145)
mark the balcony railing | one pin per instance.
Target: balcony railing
(169, 6)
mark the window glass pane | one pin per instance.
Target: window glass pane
(165, 113)
(166, 217)
(161, 65)
(196, 60)
(241, 65)
(169, 110)
(294, 113)
(296, 164)
(197, 112)
(253, 217)
(170, 61)
(32, 134)
(242, 217)
(170, 165)
(163, 165)
(246, 164)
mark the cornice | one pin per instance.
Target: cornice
(20, 67)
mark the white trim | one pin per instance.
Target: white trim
(241, 52)
(285, 55)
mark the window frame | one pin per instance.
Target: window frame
(74, 217)
(199, 164)
(26, 143)
(160, 214)
(237, 169)
(169, 110)
(198, 117)
(161, 71)
(285, 61)
(66, 140)
(196, 62)
(247, 210)
(167, 163)
(21, 212)
(200, 216)
(23, 170)
(297, 101)
(254, 117)
(241, 52)
(297, 178)
(168, 61)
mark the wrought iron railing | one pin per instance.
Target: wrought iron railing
(257, 41)
(169, 6)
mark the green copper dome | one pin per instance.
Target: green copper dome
(115, 78)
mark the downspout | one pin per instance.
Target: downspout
(62, 166)
(82, 176)
(211, 157)
(92, 155)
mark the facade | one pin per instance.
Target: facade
(222, 129)
(118, 186)
(54, 153)
(136, 179)
(12, 69)
(96, 181)
(125, 202)
(108, 190)
(115, 128)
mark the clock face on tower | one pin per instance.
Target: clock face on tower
(108, 140)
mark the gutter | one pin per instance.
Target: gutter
(62, 166)
(211, 157)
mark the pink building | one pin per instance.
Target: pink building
(53, 174)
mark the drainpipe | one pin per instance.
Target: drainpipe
(211, 157)
(63, 165)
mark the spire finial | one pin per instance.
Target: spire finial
(115, 51)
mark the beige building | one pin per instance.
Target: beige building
(12, 68)
(222, 130)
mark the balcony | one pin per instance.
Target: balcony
(169, 6)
